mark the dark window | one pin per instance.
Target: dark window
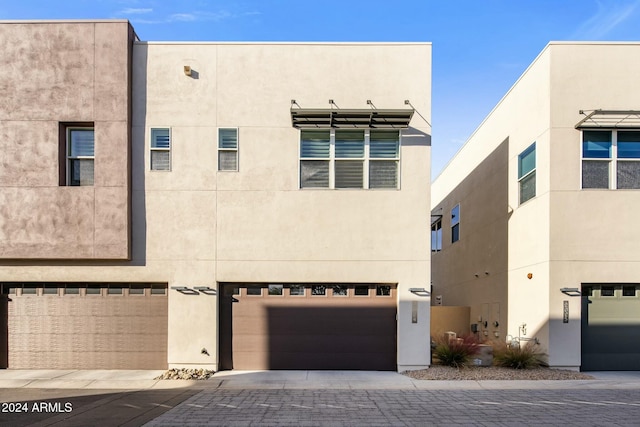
(114, 290)
(158, 290)
(607, 291)
(361, 290)
(29, 289)
(436, 236)
(455, 224)
(136, 290)
(254, 290)
(275, 289)
(296, 290)
(50, 290)
(383, 290)
(318, 290)
(629, 291)
(93, 290)
(340, 290)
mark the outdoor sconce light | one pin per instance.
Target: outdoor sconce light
(529, 276)
(572, 292)
(206, 290)
(184, 290)
(204, 351)
(187, 70)
(421, 292)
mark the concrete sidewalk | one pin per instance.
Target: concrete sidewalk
(319, 380)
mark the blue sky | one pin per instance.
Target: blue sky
(480, 48)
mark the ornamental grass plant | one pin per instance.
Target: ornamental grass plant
(456, 352)
(527, 356)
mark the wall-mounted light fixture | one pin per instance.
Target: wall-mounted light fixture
(206, 290)
(572, 292)
(187, 70)
(421, 292)
(529, 276)
(184, 290)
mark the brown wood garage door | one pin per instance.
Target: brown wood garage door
(308, 326)
(83, 326)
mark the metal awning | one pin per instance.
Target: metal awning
(609, 119)
(306, 118)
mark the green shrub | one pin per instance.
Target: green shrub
(519, 356)
(456, 352)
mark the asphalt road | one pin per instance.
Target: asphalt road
(59, 407)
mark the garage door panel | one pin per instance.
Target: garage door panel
(87, 331)
(311, 332)
(610, 327)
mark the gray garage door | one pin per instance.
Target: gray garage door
(610, 327)
(83, 326)
(308, 326)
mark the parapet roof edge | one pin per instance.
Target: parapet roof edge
(61, 21)
(524, 73)
(280, 43)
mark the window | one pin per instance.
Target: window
(318, 290)
(340, 290)
(383, 290)
(296, 290)
(629, 291)
(361, 290)
(254, 290)
(611, 159)
(527, 173)
(349, 159)
(136, 290)
(275, 289)
(227, 149)
(80, 149)
(455, 224)
(160, 149)
(607, 291)
(114, 290)
(436, 236)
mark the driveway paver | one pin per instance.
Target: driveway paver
(283, 407)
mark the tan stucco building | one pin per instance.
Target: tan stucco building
(534, 222)
(206, 204)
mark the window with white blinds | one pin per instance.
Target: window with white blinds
(228, 149)
(160, 149)
(80, 155)
(349, 159)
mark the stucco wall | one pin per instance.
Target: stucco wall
(256, 224)
(564, 236)
(56, 72)
(594, 233)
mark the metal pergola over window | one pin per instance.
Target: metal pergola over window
(305, 118)
(609, 119)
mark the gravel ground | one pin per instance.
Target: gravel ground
(477, 373)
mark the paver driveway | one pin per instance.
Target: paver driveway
(242, 407)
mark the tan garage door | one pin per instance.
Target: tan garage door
(83, 326)
(308, 326)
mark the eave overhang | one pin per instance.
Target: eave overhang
(308, 118)
(609, 119)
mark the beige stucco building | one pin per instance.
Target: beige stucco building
(206, 204)
(534, 220)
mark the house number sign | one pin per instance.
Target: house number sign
(565, 311)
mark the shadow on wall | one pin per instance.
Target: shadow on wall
(472, 271)
(414, 137)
